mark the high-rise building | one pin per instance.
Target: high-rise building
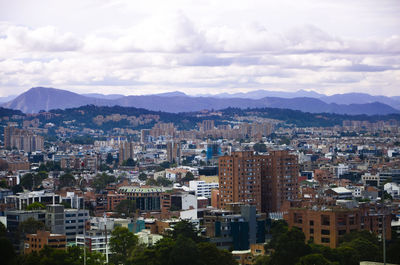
(174, 152)
(280, 182)
(267, 181)
(207, 125)
(22, 139)
(126, 151)
(240, 178)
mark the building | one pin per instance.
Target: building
(22, 200)
(240, 178)
(174, 152)
(14, 218)
(325, 226)
(95, 240)
(36, 242)
(126, 151)
(147, 199)
(280, 182)
(202, 188)
(22, 140)
(74, 222)
(237, 227)
(267, 181)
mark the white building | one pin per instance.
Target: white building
(393, 189)
(202, 188)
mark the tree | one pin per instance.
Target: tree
(3, 184)
(122, 242)
(184, 252)
(142, 176)
(165, 165)
(31, 181)
(290, 247)
(67, 180)
(3, 230)
(17, 188)
(313, 259)
(260, 147)
(188, 177)
(151, 182)
(102, 180)
(30, 226)
(126, 207)
(129, 163)
(7, 252)
(161, 181)
(186, 229)
(109, 159)
(211, 255)
(36, 206)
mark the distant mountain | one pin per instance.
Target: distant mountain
(41, 98)
(102, 96)
(361, 98)
(258, 94)
(8, 98)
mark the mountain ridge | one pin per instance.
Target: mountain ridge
(42, 98)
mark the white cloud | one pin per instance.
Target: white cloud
(195, 48)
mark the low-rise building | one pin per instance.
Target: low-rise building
(36, 242)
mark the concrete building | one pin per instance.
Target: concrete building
(237, 227)
(22, 200)
(280, 182)
(240, 178)
(202, 188)
(36, 242)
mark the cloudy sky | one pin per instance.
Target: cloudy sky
(142, 47)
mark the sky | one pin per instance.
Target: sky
(200, 47)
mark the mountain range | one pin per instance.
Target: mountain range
(42, 98)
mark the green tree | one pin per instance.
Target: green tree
(151, 182)
(186, 229)
(36, 206)
(211, 255)
(67, 180)
(290, 247)
(129, 163)
(17, 188)
(260, 147)
(126, 207)
(162, 181)
(313, 259)
(102, 180)
(188, 177)
(142, 176)
(30, 181)
(3, 184)
(109, 159)
(185, 252)
(30, 226)
(7, 252)
(122, 243)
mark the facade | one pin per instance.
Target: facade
(240, 178)
(202, 188)
(75, 220)
(280, 183)
(22, 200)
(22, 140)
(325, 226)
(147, 199)
(95, 240)
(36, 242)
(126, 151)
(174, 152)
(236, 228)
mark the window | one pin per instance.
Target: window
(325, 232)
(325, 240)
(311, 230)
(311, 222)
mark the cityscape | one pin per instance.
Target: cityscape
(210, 133)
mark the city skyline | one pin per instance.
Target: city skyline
(207, 47)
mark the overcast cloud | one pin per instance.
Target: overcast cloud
(143, 47)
